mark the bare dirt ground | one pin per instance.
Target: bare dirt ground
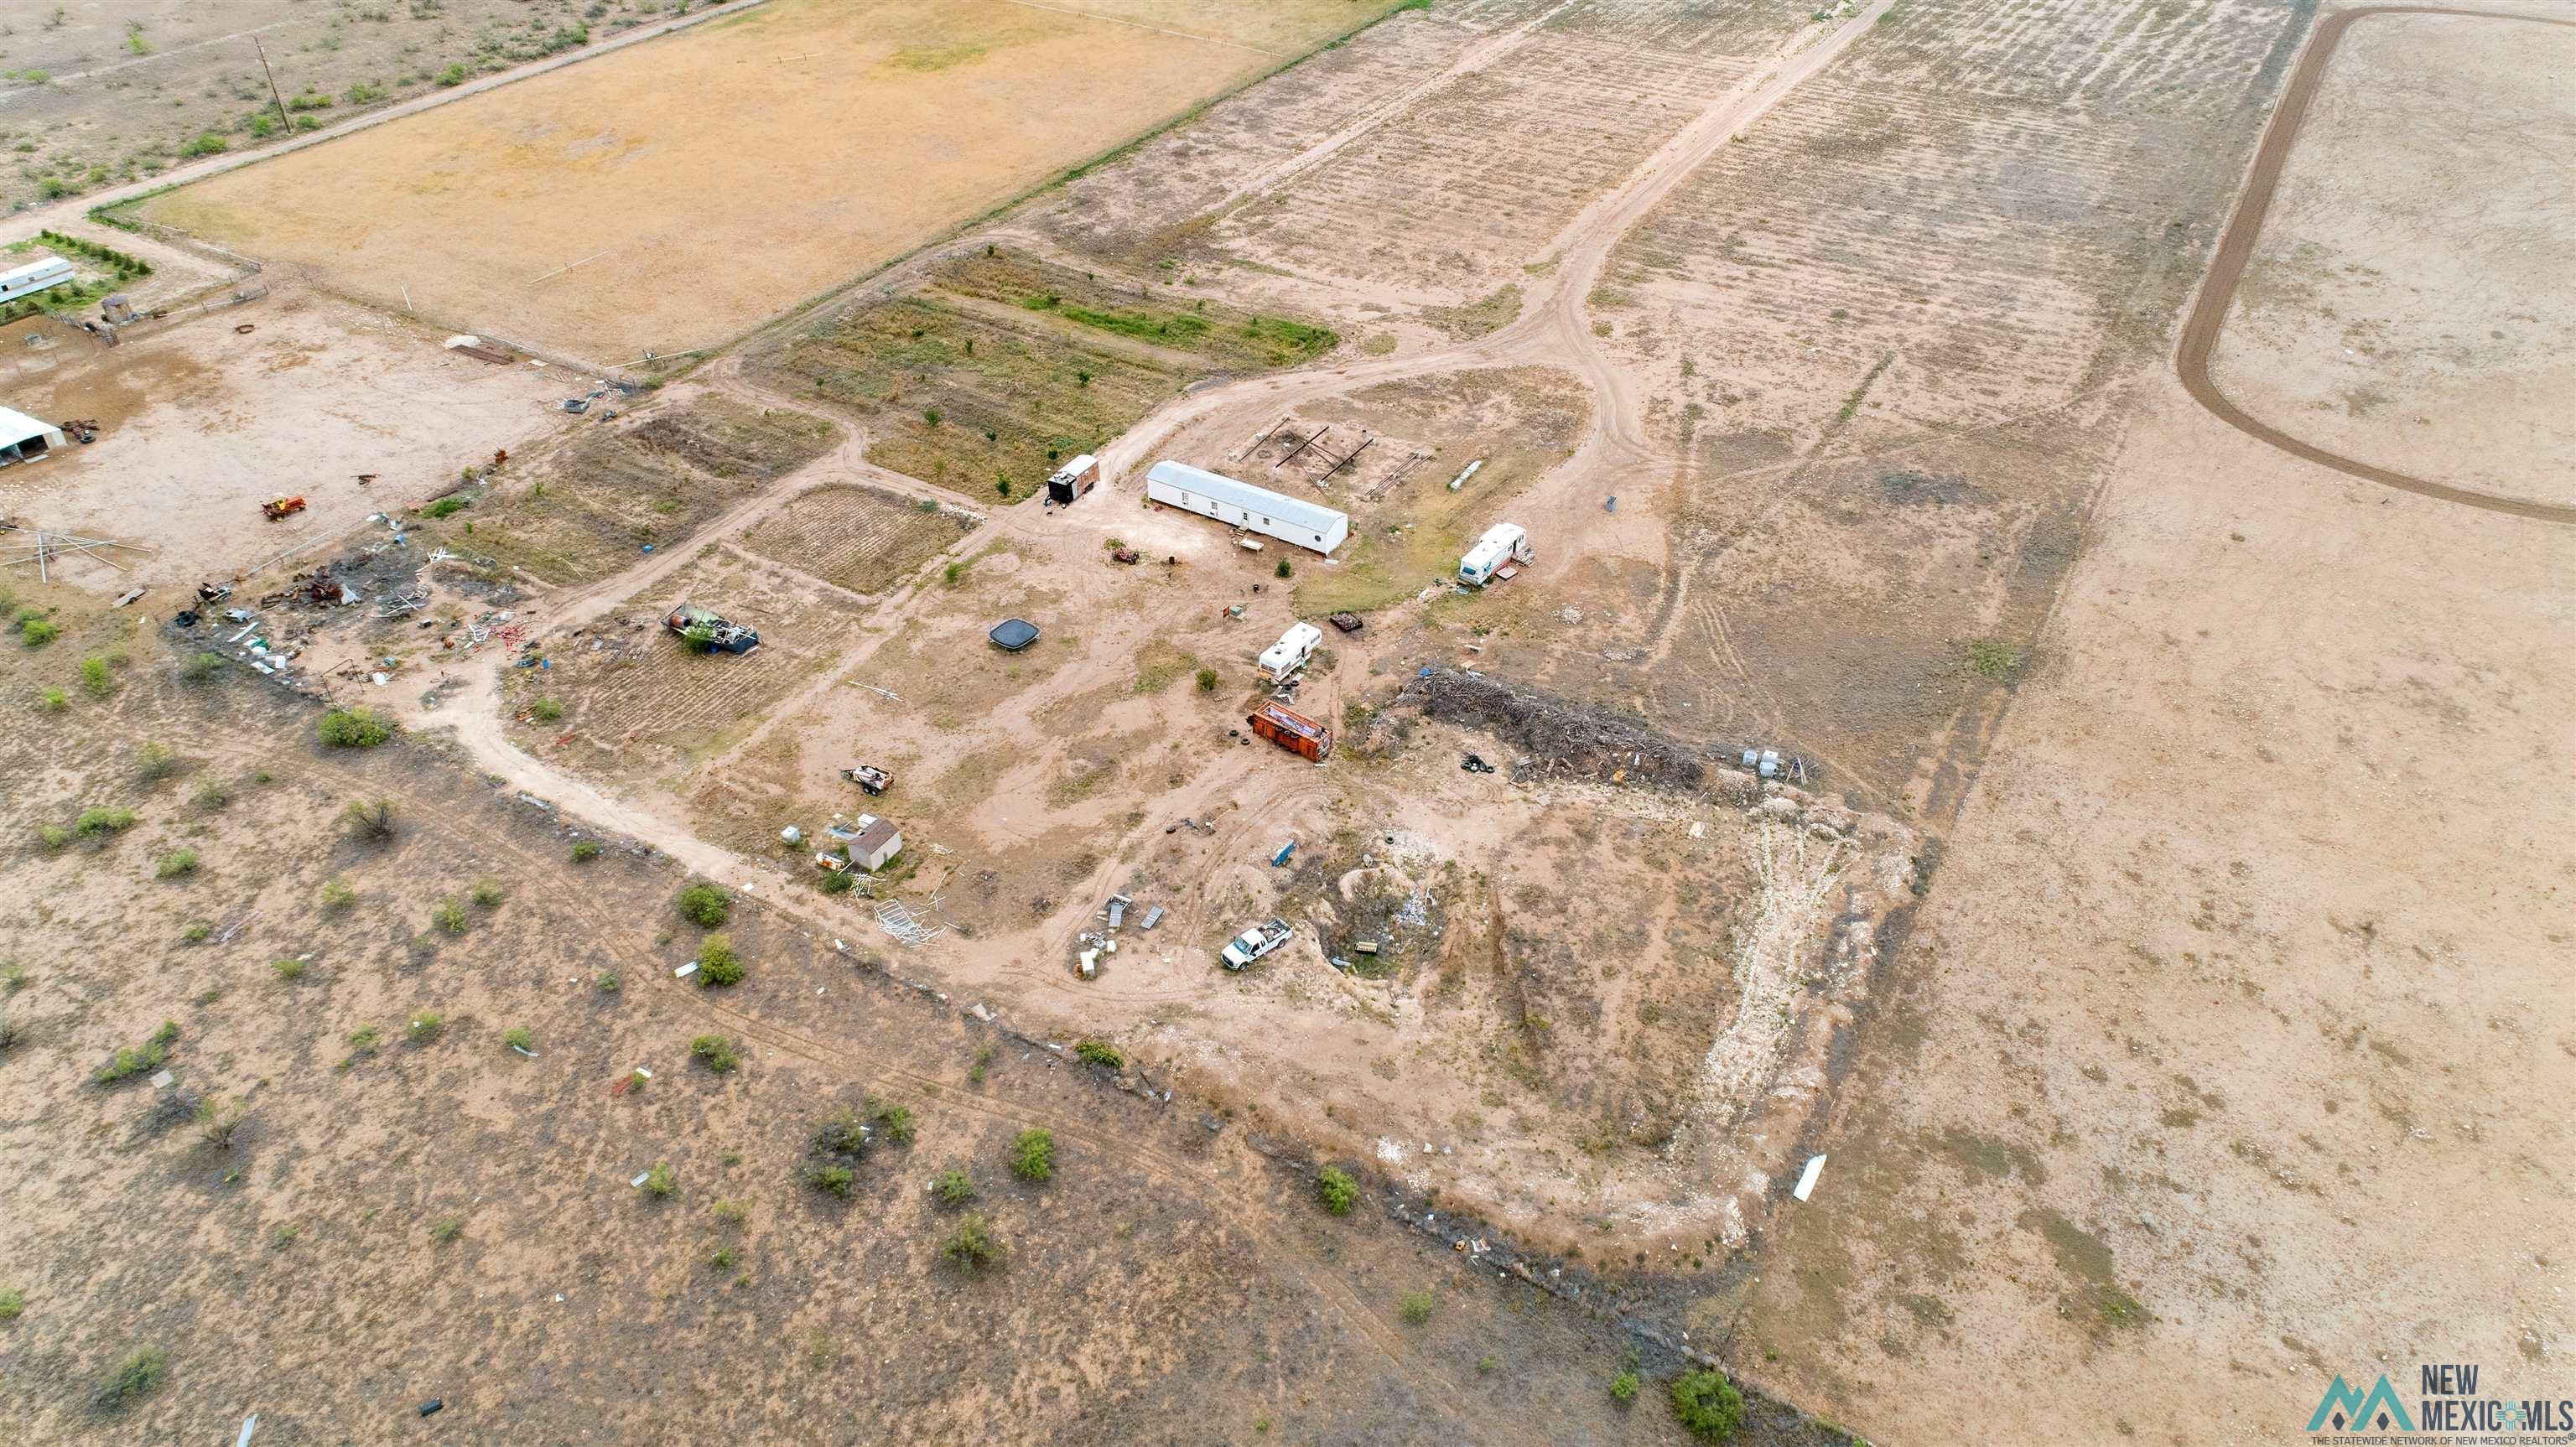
(1830, 362)
(2380, 275)
(412, 1210)
(200, 423)
(547, 214)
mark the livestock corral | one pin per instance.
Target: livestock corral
(1787, 786)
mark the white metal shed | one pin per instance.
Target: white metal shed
(24, 439)
(33, 277)
(1254, 509)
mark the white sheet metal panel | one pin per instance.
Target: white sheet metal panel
(1256, 509)
(35, 276)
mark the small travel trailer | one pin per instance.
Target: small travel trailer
(1495, 556)
(1282, 659)
(1073, 479)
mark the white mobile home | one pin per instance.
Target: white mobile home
(1502, 545)
(34, 277)
(24, 438)
(1254, 509)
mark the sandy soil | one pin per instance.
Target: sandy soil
(2399, 308)
(201, 423)
(547, 213)
(2237, 1000)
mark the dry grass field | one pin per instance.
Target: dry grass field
(580, 211)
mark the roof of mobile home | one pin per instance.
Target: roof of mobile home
(17, 427)
(1314, 517)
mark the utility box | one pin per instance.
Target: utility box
(1073, 479)
(1291, 730)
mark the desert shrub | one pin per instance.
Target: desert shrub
(52, 836)
(732, 1213)
(37, 632)
(94, 676)
(13, 1303)
(517, 1037)
(217, 1120)
(585, 851)
(1092, 1052)
(897, 1124)
(837, 882)
(1623, 1388)
(364, 1040)
(1033, 1155)
(1992, 658)
(288, 969)
(425, 1027)
(176, 864)
(447, 507)
(1285, 569)
(1207, 680)
(717, 963)
(658, 1180)
(53, 700)
(449, 915)
(371, 820)
(545, 710)
(337, 896)
(201, 668)
(716, 1052)
(196, 932)
(135, 1378)
(13, 977)
(841, 1133)
(831, 1180)
(152, 1054)
(94, 823)
(354, 728)
(608, 982)
(211, 796)
(154, 762)
(486, 892)
(1415, 1308)
(723, 1258)
(446, 1229)
(971, 1244)
(1338, 1190)
(1707, 1405)
(954, 1188)
(705, 905)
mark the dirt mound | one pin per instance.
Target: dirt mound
(1557, 738)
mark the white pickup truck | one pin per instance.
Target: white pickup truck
(1255, 942)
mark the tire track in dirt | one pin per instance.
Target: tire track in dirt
(2208, 316)
(871, 1067)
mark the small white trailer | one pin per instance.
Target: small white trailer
(1495, 554)
(1282, 659)
(1253, 509)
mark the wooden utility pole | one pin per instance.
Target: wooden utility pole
(284, 123)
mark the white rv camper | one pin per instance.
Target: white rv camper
(1503, 545)
(1290, 653)
(1254, 509)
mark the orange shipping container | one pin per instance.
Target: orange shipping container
(1291, 730)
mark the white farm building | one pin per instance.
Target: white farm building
(34, 277)
(1254, 509)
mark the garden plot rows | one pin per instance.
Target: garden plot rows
(1477, 178)
(2175, 57)
(650, 690)
(1971, 241)
(862, 539)
(1949, 246)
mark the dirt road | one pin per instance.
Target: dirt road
(2208, 316)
